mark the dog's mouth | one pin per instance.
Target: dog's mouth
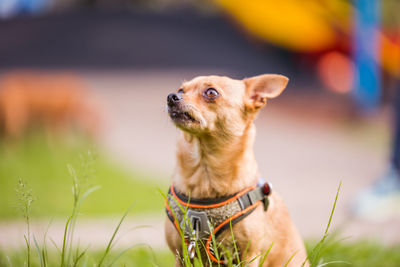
(181, 116)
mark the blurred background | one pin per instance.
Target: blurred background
(83, 83)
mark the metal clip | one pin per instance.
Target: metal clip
(196, 227)
(198, 221)
(192, 245)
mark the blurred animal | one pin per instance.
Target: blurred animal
(216, 174)
(55, 101)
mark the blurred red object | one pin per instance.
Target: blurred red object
(336, 71)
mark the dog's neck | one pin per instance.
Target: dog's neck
(209, 167)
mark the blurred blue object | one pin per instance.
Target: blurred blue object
(9, 8)
(366, 54)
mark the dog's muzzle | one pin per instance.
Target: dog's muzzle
(176, 110)
(173, 99)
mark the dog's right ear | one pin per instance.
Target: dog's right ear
(262, 87)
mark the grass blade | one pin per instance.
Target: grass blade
(38, 251)
(290, 259)
(55, 245)
(333, 262)
(78, 257)
(265, 254)
(314, 254)
(113, 236)
(234, 242)
(65, 241)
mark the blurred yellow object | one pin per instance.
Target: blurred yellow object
(305, 25)
(297, 25)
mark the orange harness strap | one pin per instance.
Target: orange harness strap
(202, 212)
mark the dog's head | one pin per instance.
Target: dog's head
(221, 106)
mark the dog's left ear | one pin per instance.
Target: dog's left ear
(262, 87)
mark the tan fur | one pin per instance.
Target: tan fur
(215, 158)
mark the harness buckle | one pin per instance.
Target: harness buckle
(257, 194)
(196, 225)
(197, 222)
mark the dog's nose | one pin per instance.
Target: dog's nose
(173, 99)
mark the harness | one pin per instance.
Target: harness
(201, 219)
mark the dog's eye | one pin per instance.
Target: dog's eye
(211, 93)
(180, 91)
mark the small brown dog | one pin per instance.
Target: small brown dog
(217, 174)
(55, 101)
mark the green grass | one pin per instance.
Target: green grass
(43, 162)
(360, 254)
(356, 254)
(140, 257)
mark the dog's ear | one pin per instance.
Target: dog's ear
(262, 87)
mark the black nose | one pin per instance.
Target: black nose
(173, 98)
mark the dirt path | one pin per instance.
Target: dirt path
(95, 233)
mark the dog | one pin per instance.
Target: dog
(55, 101)
(217, 170)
